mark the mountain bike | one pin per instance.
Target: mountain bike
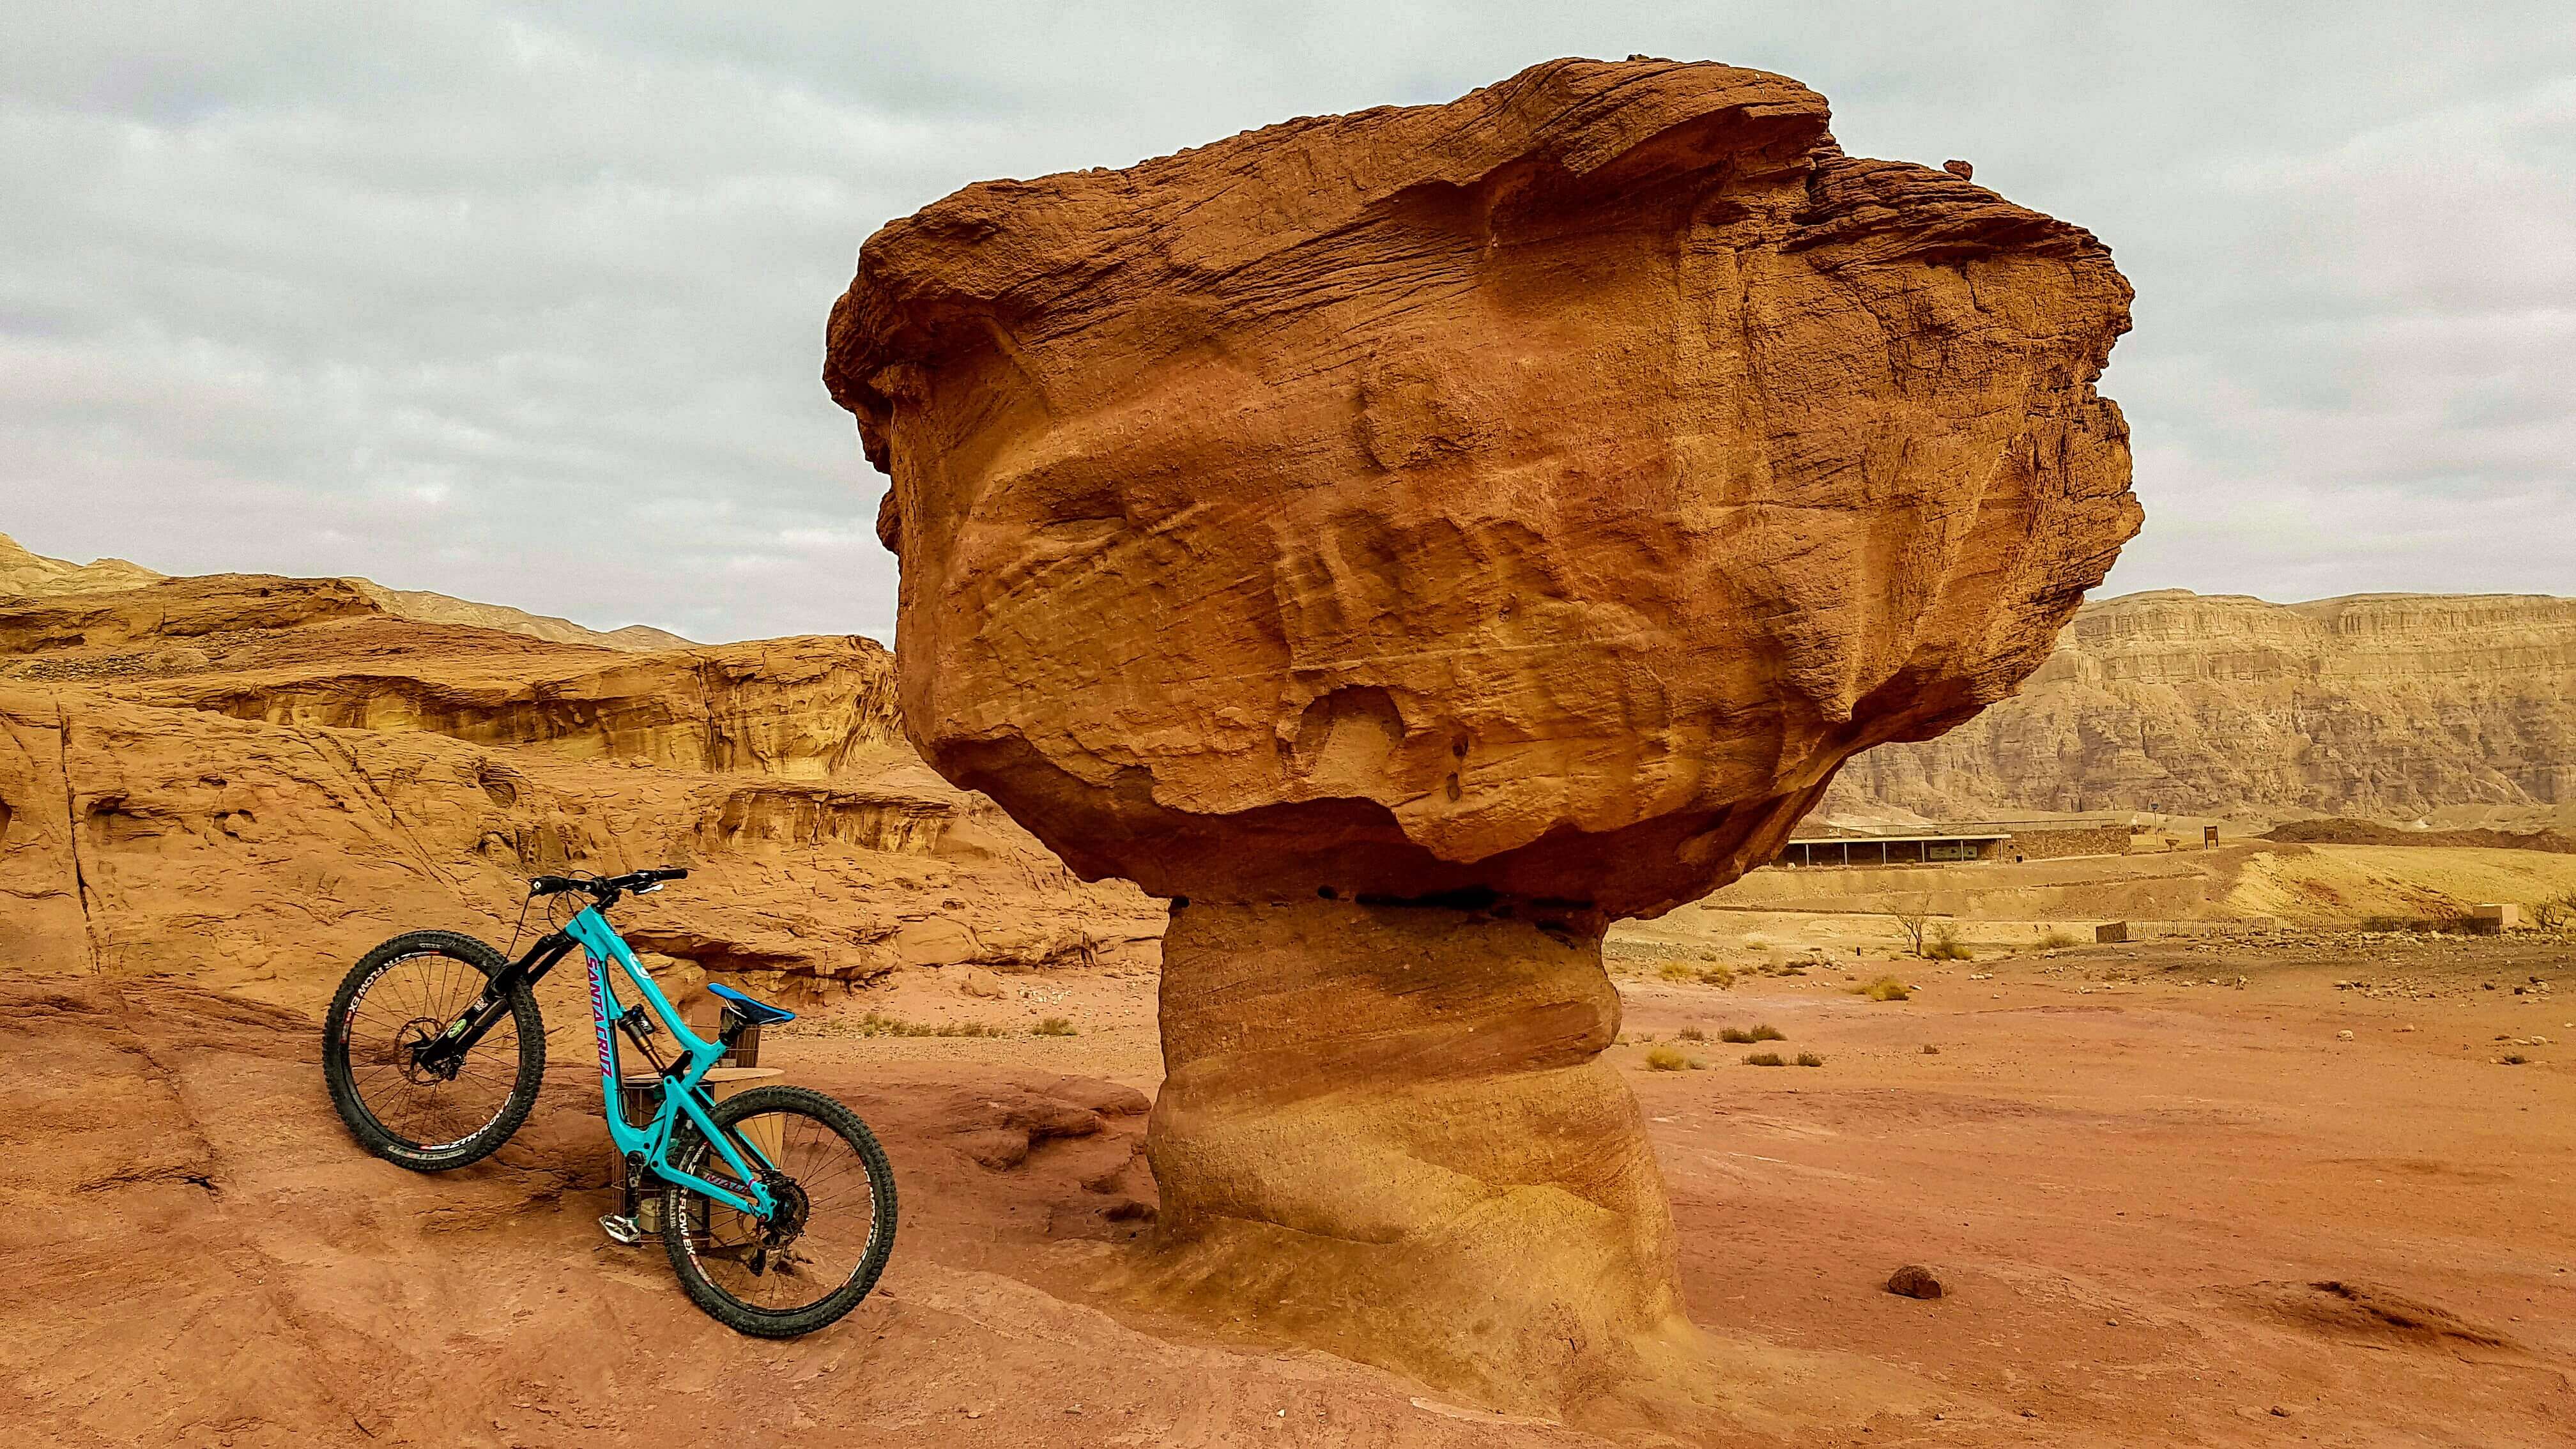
(777, 1205)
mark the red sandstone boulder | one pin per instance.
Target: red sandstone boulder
(1542, 492)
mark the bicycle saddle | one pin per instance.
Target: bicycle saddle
(759, 1013)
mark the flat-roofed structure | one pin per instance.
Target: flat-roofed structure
(1857, 849)
(1950, 842)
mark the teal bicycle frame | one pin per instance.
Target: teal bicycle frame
(683, 1091)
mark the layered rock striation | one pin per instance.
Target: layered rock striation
(2386, 705)
(251, 780)
(1411, 539)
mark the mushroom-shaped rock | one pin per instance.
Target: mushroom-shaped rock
(1420, 536)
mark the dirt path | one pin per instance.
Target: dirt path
(2134, 1188)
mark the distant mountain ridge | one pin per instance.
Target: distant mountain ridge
(2383, 705)
(26, 573)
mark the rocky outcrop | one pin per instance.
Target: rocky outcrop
(2388, 705)
(29, 575)
(795, 707)
(251, 780)
(1416, 537)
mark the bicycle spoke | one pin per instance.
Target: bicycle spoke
(732, 1250)
(412, 1000)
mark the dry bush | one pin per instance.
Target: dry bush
(1910, 912)
(1884, 988)
(1810, 1059)
(1764, 1059)
(2057, 941)
(1930, 1050)
(1717, 976)
(1946, 945)
(1690, 1033)
(874, 1024)
(1053, 1026)
(1677, 971)
(2556, 913)
(1666, 1059)
(1741, 1036)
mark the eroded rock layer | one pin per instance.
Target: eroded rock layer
(1421, 535)
(251, 780)
(1473, 493)
(2388, 705)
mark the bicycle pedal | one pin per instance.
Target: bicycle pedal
(621, 1230)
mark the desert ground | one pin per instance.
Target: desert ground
(2252, 1188)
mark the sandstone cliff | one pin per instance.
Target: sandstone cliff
(2387, 705)
(250, 780)
(26, 574)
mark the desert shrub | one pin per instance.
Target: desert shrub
(1678, 971)
(2556, 913)
(1883, 988)
(1767, 1032)
(1742, 1036)
(1946, 946)
(1810, 1059)
(1736, 1035)
(1757, 943)
(1690, 1033)
(1717, 976)
(2057, 941)
(1666, 1059)
(1764, 1059)
(1910, 913)
(876, 1024)
(1053, 1026)
(1930, 1050)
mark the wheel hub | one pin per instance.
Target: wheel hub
(788, 1222)
(414, 1041)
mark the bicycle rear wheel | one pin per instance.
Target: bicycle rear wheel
(400, 997)
(812, 1263)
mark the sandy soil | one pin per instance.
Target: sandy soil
(2166, 1212)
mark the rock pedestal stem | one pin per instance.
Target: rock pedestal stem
(1387, 1128)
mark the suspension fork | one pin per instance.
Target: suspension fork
(469, 1028)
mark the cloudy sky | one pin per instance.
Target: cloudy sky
(525, 302)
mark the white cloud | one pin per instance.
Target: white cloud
(525, 302)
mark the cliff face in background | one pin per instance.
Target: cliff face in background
(2387, 705)
(251, 780)
(25, 574)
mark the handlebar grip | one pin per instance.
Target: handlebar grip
(547, 885)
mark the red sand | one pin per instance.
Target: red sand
(2133, 1193)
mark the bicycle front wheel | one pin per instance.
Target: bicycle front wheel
(821, 1253)
(397, 1000)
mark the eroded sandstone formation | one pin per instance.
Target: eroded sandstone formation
(2389, 705)
(1419, 536)
(251, 780)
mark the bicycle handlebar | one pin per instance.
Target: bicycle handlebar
(609, 888)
